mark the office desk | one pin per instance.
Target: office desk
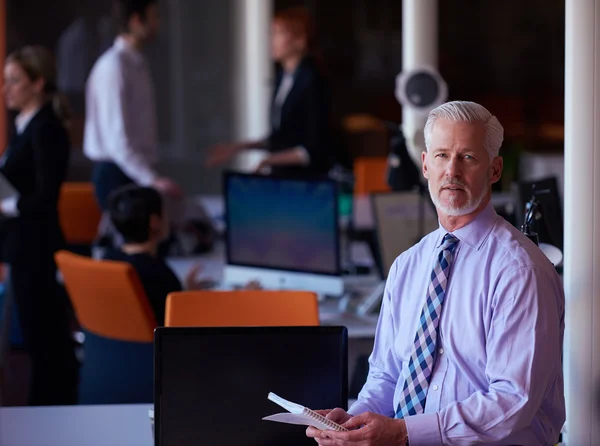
(106, 425)
(330, 312)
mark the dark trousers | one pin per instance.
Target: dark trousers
(45, 327)
(107, 177)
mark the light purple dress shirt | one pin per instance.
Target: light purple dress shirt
(498, 373)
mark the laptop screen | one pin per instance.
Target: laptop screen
(282, 223)
(211, 384)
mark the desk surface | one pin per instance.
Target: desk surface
(329, 310)
(114, 425)
(105, 425)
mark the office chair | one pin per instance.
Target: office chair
(79, 215)
(241, 308)
(118, 323)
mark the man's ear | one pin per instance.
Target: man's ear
(424, 163)
(496, 169)
(155, 224)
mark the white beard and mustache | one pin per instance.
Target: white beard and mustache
(457, 211)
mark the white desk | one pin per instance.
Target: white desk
(329, 312)
(106, 425)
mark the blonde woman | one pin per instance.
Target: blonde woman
(35, 162)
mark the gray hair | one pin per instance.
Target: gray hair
(463, 111)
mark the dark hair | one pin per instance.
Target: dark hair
(123, 10)
(38, 62)
(130, 208)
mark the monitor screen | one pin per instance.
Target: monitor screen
(212, 383)
(401, 220)
(549, 226)
(282, 223)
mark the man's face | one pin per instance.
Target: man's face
(146, 28)
(459, 168)
(159, 227)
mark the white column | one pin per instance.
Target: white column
(582, 221)
(419, 49)
(253, 63)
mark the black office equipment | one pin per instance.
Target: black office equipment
(211, 384)
(547, 218)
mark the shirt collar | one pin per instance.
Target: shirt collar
(23, 119)
(122, 45)
(474, 233)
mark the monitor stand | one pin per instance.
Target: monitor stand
(236, 276)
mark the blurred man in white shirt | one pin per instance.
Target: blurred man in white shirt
(120, 128)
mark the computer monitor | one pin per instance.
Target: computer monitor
(401, 219)
(549, 226)
(282, 232)
(211, 384)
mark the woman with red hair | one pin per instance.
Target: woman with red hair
(300, 132)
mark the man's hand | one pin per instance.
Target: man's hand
(168, 187)
(367, 429)
(253, 285)
(193, 283)
(337, 415)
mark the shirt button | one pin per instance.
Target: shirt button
(435, 387)
(441, 351)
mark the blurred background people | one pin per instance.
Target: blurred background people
(120, 133)
(139, 216)
(300, 139)
(35, 163)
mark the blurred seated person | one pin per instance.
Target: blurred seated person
(300, 138)
(137, 214)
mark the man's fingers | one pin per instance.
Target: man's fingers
(328, 442)
(357, 421)
(312, 432)
(330, 437)
(336, 415)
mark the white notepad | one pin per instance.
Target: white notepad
(300, 415)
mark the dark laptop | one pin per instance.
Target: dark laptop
(211, 384)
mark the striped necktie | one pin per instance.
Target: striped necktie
(420, 366)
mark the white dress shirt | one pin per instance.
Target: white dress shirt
(120, 123)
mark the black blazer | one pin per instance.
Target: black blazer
(36, 164)
(304, 119)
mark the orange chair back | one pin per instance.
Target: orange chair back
(241, 308)
(108, 297)
(370, 175)
(79, 213)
